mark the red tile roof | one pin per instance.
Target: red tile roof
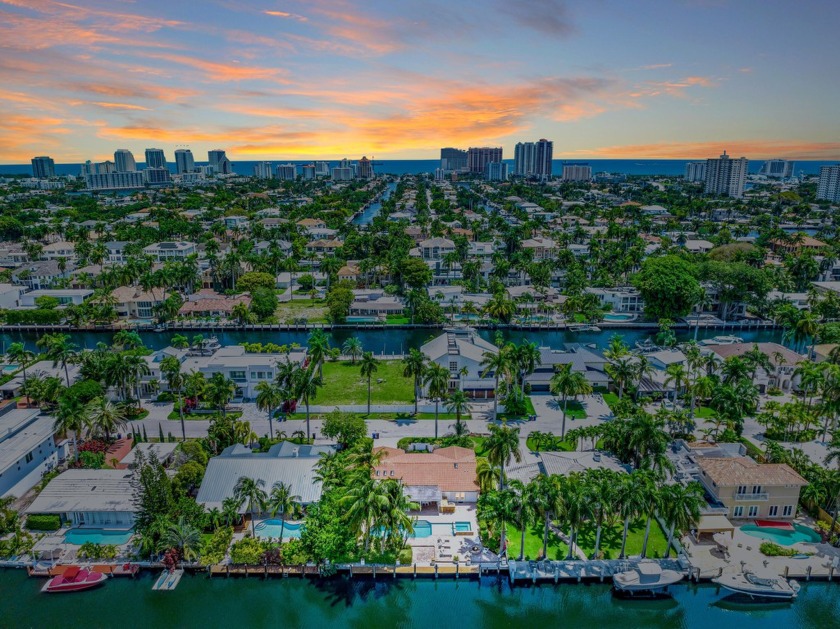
(449, 469)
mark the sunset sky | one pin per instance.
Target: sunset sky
(398, 79)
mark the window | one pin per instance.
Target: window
(787, 511)
(774, 511)
(753, 512)
(738, 512)
(237, 375)
(453, 365)
(459, 495)
(742, 489)
(29, 458)
(756, 489)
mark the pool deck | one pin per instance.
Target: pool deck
(444, 546)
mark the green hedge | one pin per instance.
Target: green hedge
(43, 522)
(34, 317)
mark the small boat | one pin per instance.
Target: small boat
(722, 340)
(646, 578)
(583, 327)
(759, 585)
(74, 579)
(647, 346)
(161, 327)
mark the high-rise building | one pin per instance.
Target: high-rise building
(695, 171)
(479, 157)
(155, 158)
(116, 181)
(156, 176)
(219, 161)
(365, 168)
(496, 171)
(726, 176)
(43, 167)
(124, 161)
(184, 162)
(453, 160)
(287, 172)
(777, 169)
(103, 168)
(829, 186)
(533, 159)
(308, 171)
(342, 173)
(263, 170)
(322, 169)
(577, 171)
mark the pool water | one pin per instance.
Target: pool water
(10, 368)
(783, 537)
(361, 319)
(619, 317)
(424, 528)
(97, 536)
(462, 527)
(271, 529)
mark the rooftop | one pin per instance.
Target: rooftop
(86, 490)
(727, 472)
(448, 469)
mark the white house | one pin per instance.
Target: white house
(461, 352)
(102, 498)
(27, 449)
(163, 251)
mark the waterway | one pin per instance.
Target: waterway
(488, 603)
(396, 341)
(366, 217)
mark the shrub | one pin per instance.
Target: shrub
(43, 522)
(774, 550)
(213, 550)
(247, 551)
(92, 460)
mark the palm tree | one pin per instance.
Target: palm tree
(319, 349)
(17, 353)
(60, 350)
(414, 366)
(602, 484)
(681, 508)
(365, 501)
(525, 511)
(499, 508)
(496, 363)
(170, 367)
(269, 397)
(675, 373)
(568, 383)
(622, 371)
(70, 420)
(576, 506)
(305, 387)
(250, 491)
(183, 537)
(503, 446)
(651, 502)
(459, 404)
(486, 474)
(353, 348)
(369, 366)
(542, 493)
(436, 380)
(629, 501)
(282, 501)
(102, 415)
(220, 391)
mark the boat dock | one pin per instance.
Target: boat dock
(168, 580)
(578, 571)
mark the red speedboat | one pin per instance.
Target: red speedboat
(74, 579)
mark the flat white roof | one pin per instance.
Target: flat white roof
(21, 431)
(86, 490)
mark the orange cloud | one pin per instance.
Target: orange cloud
(220, 71)
(286, 14)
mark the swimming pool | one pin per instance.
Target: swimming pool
(10, 368)
(784, 537)
(617, 317)
(361, 319)
(424, 528)
(271, 529)
(98, 536)
(462, 527)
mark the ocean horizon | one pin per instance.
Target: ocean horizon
(665, 167)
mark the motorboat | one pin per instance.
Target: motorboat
(759, 585)
(645, 578)
(647, 346)
(722, 340)
(74, 579)
(583, 327)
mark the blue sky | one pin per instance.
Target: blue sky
(400, 79)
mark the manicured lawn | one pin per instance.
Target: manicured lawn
(533, 543)
(344, 384)
(174, 415)
(611, 399)
(556, 445)
(529, 410)
(703, 412)
(392, 416)
(611, 540)
(574, 410)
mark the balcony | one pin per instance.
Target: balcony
(752, 497)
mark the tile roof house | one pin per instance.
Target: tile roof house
(752, 490)
(431, 477)
(783, 360)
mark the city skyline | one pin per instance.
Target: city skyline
(326, 80)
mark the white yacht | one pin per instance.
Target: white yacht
(759, 585)
(645, 578)
(722, 340)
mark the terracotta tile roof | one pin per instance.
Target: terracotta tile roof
(449, 469)
(770, 349)
(731, 472)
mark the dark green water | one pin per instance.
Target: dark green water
(253, 602)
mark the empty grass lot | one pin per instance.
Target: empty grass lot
(344, 384)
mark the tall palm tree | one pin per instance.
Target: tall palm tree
(498, 508)
(629, 500)
(183, 537)
(502, 447)
(269, 397)
(651, 503)
(542, 493)
(568, 383)
(459, 404)
(436, 380)
(496, 363)
(170, 367)
(622, 371)
(576, 506)
(102, 415)
(319, 349)
(60, 350)
(487, 474)
(220, 391)
(281, 500)
(525, 511)
(602, 491)
(248, 490)
(369, 366)
(414, 366)
(305, 387)
(365, 502)
(353, 348)
(18, 354)
(680, 508)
